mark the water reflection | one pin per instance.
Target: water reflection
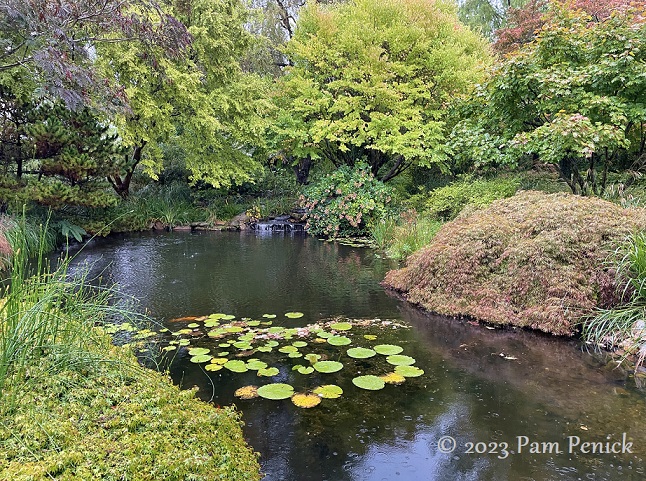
(479, 386)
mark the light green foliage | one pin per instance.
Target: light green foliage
(573, 98)
(401, 237)
(370, 82)
(446, 202)
(202, 103)
(346, 202)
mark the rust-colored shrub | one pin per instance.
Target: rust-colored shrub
(534, 260)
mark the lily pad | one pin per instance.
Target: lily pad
(299, 344)
(268, 372)
(288, 349)
(197, 351)
(329, 391)
(361, 352)
(320, 340)
(294, 315)
(295, 355)
(169, 348)
(216, 316)
(228, 317)
(193, 325)
(328, 366)
(236, 365)
(409, 371)
(201, 358)
(272, 343)
(324, 334)
(219, 360)
(305, 370)
(253, 323)
(269, 316)
(264, 349)
(256, 365)
(370, 337)
(399, 360)
(233, 329)
(341, 326)
(393, 378)
(183, 342)
(275, 330)
(213, 367)
(312, 358)
(244, 345)
(224, 344)
(388, 349)
(246, 392)
(223, 353)
(164, 329)
(211, 323)
(339, 341)
(303, 400)
(276, 391)
(371, 383)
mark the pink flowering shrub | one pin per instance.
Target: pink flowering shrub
(346, 202)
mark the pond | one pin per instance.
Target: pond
(491, 404)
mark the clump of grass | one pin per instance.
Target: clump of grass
(399, 239)
(624, 325)
(534, 260)
(44, 313)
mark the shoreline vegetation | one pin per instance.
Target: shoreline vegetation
(75, 406)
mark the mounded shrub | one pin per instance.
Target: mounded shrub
(346, 202)
(534, 260)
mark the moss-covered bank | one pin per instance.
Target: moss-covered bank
(534, 260)
(117, 421)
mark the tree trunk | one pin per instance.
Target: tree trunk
(302, 170)
(121, 184)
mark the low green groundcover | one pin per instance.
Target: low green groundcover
(117, 421)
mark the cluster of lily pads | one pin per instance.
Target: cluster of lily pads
(235, 342)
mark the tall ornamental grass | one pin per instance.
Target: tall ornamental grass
(47, 313)
(624, 325)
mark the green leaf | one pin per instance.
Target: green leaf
(329, 391)
(360, 353)
(399, 360)
(408, 371)
(387, 349)
(276, 391)
(328, 366)
(339, 341)
(371, 383)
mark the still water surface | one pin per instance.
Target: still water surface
(472, 390)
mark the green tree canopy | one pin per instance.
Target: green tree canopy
(371, 80)
(203, 103)
(574, 98)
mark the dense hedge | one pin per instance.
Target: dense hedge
(534, 260)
